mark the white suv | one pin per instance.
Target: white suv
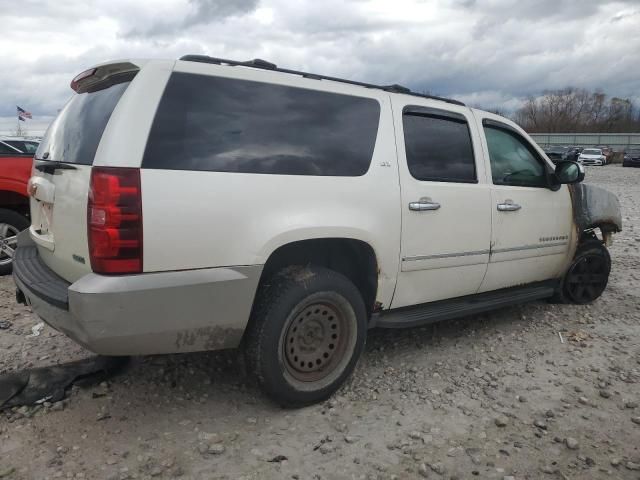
(203, 204)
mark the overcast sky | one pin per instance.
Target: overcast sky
(484, 52)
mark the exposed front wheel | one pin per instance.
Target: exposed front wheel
(306, 334)
(588, 274)
(11, 223)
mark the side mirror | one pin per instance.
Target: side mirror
(569, 172)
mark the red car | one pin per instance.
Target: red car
(15, 170)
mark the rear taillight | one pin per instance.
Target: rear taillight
(114, 220)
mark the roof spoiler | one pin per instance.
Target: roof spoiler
(103, 76)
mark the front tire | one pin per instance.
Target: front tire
(587, 276)
(306, 334)
(11, 223)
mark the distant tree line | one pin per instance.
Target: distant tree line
(577, 110)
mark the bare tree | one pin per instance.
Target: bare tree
(577, 110)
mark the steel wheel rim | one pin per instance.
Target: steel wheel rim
(8, 242)
(316, 341)
(587, 278)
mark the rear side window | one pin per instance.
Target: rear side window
(438, 147)
(74, 135)
(227, 125)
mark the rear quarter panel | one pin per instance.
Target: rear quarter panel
(195, 219)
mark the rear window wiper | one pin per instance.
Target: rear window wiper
(50, 166)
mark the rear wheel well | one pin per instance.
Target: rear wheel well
(354, 259)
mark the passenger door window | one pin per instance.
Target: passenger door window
(513, 161)
(439, 148)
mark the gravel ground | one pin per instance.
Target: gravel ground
(490, 396)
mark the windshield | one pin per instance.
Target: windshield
(74, 135)
(635, 151)
(591, 151)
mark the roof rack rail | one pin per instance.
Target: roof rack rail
(264, 65)
(397, 89)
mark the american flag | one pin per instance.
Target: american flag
(23, 114)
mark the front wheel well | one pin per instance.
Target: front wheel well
(354, 259)
(600, 231)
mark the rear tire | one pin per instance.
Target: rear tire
(587, 276)
(11, 223)
(306, 334)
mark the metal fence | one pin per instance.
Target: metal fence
(619, 142)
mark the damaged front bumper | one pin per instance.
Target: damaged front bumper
(165, 312)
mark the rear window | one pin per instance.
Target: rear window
(227, 125)
(74, 135)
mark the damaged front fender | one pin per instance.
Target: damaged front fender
(595, 207)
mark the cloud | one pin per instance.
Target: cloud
(491, 99)
(197, 12)
(486, 52)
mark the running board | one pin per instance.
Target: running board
(459, 307)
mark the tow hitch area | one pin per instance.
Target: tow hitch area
(50, 384)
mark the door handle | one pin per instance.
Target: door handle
(424, 204)
(508, 206)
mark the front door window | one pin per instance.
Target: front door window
(513, 162)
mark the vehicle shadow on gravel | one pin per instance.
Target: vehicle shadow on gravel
(220, 378)
(222, 375)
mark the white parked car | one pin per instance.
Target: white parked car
(592, 156)
(203, 204)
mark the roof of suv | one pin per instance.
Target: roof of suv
(264, 65)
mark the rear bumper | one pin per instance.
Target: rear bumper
(167, 312)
